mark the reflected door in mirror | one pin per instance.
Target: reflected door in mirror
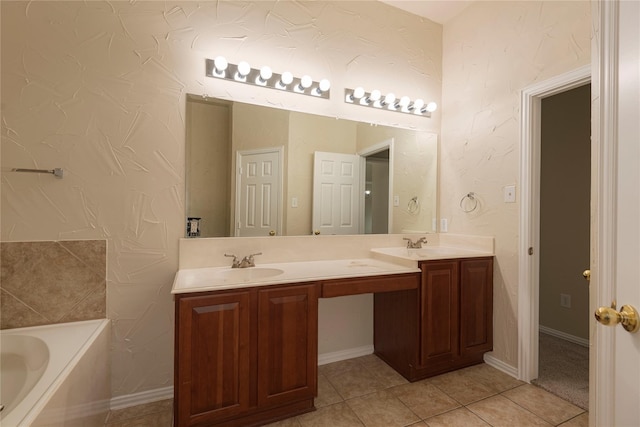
(259, 193)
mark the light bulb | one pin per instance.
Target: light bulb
(358, 92)
(243, 70)
(389, 100)
(372, 98)
(305, 82)
(323, 86)
(417, 105)
(220, 64)
(286, 78)
(265, 75)
(431, 107)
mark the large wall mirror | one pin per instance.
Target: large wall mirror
(257, 171)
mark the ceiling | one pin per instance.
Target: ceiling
(439, 11)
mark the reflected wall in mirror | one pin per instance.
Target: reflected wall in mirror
(219, 132)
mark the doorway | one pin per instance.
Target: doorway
(377, 186)
(530, 216)
(376, 193)
(565, 192)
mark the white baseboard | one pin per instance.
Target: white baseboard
(149, 396)
(500, 365)
(563, 335)
(337, 356)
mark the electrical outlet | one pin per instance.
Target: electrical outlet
(565, 300)
(510, 194)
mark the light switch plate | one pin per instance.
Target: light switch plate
(510, 194)
(444, 225)
(396, 200)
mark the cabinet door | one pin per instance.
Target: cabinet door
(212, 352)
(476, 305)
(439, 312)
(287, 343)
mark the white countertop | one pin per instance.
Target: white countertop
(219, 278)
(428, 253)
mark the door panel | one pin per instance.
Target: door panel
(627, 289)
(287, 343)
(440, 301)
(476, 306)
(259, 183)
(214, 359)
(336, 190)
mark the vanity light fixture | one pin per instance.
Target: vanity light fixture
(374, 99)
(243, 73)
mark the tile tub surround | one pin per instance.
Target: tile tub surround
(52, 282)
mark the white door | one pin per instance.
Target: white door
(336, 193)
(258, 195)
(618, 351)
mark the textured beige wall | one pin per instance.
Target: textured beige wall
(565, 210)
(99, 89)
(490, 53)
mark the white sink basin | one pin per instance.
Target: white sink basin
(248, 274)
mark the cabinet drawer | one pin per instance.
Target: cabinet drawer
(367, 285)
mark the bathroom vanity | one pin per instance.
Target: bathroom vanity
(246, 343)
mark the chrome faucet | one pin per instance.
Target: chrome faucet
(418, 243)
(247, 261)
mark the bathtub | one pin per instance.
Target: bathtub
(55, 374)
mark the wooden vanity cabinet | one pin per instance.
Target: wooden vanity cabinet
(454, 317)
(245, 357)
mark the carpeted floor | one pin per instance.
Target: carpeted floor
(563, 369)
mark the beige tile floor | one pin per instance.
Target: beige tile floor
(366, 392)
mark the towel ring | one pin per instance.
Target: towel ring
(414, 205)
(471, 196)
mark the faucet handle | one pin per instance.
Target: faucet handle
(250, 258)
(235, 263)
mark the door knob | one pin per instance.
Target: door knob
(272, 233)
(587, 274)
(316, 232)
(627, 316)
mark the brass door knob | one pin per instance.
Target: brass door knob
(587, 274)
(316, 232)
(627, 317)
(272, 233)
